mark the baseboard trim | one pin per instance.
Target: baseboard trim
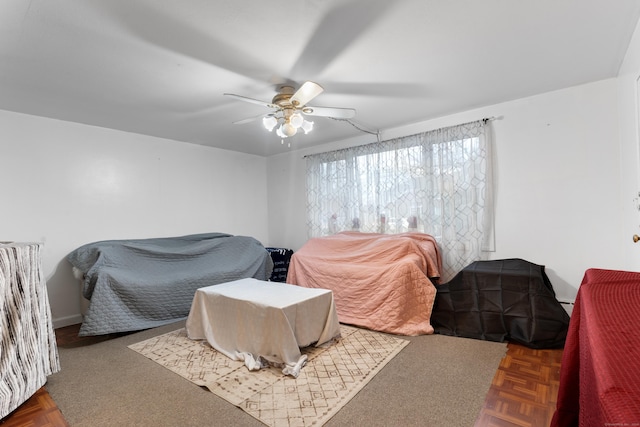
(61, 322)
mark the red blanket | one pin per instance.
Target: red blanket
(379, 281)
(600, 371)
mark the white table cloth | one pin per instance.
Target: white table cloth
(263, 322)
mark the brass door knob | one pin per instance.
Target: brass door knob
(636, 238)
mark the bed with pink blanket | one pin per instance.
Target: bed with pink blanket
(383, 282)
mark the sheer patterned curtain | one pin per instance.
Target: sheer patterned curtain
(437, 182)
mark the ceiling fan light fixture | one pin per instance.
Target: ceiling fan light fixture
(296, 120)
(269, 122)
(288, 129)
(307, 126)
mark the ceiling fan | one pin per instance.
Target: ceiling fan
(290, 107)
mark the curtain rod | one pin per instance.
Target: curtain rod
(484, 119)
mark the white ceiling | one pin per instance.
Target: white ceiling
(160, 67)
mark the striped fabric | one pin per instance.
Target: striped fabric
(28, 352)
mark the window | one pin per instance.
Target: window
(436, 182)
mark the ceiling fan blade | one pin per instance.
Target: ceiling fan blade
(251, 100)
(353, 18)
(248, 120)
(149, 22)
(336, 113)
(306, 93)
(381, 89)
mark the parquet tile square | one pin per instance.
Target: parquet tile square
(524, 390)
(39, 411)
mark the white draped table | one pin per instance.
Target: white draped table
(262, 322)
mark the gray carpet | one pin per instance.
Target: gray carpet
(434, 381)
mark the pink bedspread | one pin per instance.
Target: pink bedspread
(379, 281)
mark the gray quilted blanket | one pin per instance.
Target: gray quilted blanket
(139, 284)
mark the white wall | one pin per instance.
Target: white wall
(557, 162)
(67, 184)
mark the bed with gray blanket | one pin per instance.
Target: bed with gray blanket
(139, 284)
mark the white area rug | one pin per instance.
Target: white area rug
(332, 376)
